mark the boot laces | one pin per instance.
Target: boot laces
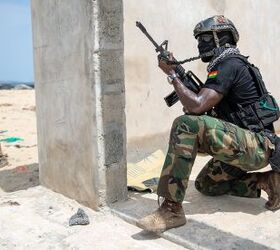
(169, 205)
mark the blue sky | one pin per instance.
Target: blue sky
(16, 59)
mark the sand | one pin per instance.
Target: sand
(18, 119)
(34, 217)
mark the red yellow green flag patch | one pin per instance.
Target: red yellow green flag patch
(213, 74)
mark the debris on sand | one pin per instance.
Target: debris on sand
(80, 218)
(6, 104)
(3, 159)
(10, 203)
(30, 108)
(11, 139)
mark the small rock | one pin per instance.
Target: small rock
(80, 218)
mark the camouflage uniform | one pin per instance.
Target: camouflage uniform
(235, 151)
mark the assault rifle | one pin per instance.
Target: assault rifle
(189, 79)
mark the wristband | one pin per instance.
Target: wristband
(171, 78)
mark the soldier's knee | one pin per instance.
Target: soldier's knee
(207, 187)
(188, 123)
(178, 120)
(201, 187)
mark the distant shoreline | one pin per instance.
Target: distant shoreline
(4, 85)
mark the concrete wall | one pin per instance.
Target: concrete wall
(148, 118)
(78, 56)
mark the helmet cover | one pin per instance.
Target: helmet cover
(217, 24)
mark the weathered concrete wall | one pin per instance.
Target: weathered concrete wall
(148, 118)
(78, 56)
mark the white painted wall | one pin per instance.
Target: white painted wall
(148, 117)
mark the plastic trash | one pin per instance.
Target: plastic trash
(11, 139)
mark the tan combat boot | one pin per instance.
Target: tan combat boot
(169, 215)
(270, 183)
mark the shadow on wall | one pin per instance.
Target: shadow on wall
(139, 148)
(19, 178)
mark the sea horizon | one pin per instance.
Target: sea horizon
(13, 84)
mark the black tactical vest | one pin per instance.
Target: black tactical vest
(257, 116)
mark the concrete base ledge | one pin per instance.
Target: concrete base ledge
(166, 235)
(224, 222)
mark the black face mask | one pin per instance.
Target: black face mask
(206, 43)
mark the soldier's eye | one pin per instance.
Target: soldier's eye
(205, 38)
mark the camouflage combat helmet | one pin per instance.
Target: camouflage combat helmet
(216, 24)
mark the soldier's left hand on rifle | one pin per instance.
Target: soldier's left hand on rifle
(166, 67)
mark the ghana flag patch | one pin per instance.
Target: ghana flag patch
(213, 74)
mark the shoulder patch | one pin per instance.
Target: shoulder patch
(213, 74)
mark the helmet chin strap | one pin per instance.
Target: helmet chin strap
(216, 39)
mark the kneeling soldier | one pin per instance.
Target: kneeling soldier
(234, 132)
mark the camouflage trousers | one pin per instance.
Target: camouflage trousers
(235, 152)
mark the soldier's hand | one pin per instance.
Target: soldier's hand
(168, 69)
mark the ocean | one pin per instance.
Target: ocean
(12, 84)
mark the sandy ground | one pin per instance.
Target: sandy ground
(33, 217)
(18, 119)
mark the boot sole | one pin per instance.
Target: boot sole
(158, 231)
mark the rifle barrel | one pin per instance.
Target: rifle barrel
(143, 29)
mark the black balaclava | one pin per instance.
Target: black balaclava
(225, 37)
(204, 47)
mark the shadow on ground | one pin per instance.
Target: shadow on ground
(198, 235)
(19, 178)
(212, 222)
(196, 203)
